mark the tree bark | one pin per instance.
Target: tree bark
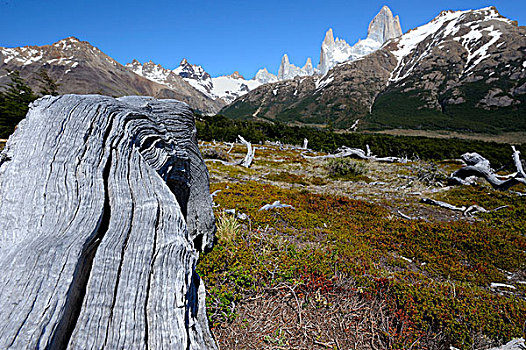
(104, 207)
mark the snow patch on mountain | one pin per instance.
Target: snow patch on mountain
(227, 88)
(28, 55)
(447, 24)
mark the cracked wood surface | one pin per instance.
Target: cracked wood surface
(104, 208)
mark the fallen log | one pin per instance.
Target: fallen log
(466, 211)
(345, 151)
(104, 208)
(478, 166)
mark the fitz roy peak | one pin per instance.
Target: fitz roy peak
(382, 28)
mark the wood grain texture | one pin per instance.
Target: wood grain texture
(104, 208)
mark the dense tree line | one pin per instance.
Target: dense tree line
(221, 128)
(16, 96)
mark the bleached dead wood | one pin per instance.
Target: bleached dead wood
(345, 151)
(404, 216)
(354, 126)
(478, 166)
(247, 161)
(276, 205)
(104, 207)
(466, 211)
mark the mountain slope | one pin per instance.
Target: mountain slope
(463, 71)
(81, 68)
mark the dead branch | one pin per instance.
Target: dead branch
(478, 166)
(245, 162)
(404, 216)
(250, 152)
(466, 211)
(276, 204)
(345, 151)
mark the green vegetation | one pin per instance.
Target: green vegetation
(396, 108)
(14, 103)
(16, 97)
(48, 86)
(357, 268)
(221, 128)
(433, 277)
(346, 168)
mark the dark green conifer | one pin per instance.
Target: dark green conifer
(48, 86)
(14, 103)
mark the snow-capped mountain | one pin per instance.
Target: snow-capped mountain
(382, 28)
(82, 68)
(464, 70)
(290, 71)
(223, 88)
(263, 76)
(196, 76)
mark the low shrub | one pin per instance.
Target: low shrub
(214, 153)
(345, 168)
(227, 227)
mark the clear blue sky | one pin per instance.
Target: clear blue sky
(221, 35)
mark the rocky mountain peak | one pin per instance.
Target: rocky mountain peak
(236, 75)
(308, 68)
(328, 41)
(263, 76)
(384, 26)
(191, 71)
(289, 71)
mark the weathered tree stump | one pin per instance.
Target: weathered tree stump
(104, 207)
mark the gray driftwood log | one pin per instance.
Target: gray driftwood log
(104, 207)
(478, 166)
(345, 151)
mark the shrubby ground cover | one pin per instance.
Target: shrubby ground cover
(345, 270)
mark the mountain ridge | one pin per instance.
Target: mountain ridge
(82, 68)
(464, 70)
